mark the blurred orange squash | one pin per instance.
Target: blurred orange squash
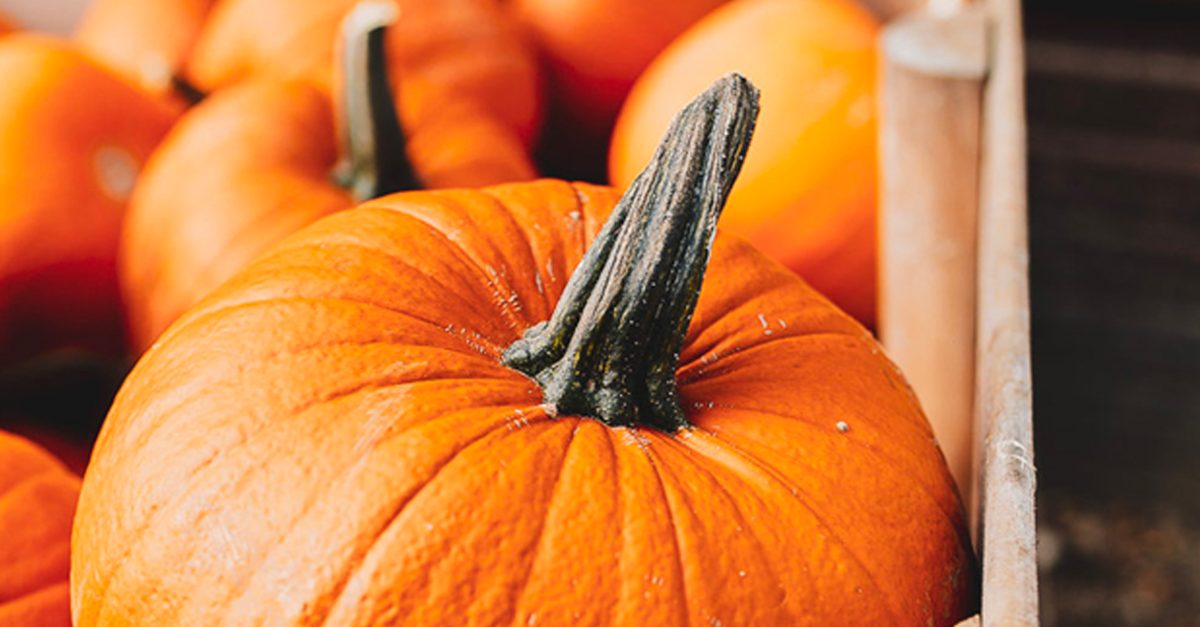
(808, 193)
(339, 435)
(595, 49)
(257, 161)
(146, 41)
(37, 503)
(73, 138)
(470, 47)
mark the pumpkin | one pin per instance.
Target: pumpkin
(807, 196)
(407, 413)
(72, 140)
(146, 41)
(256, 161)
(37, 502)
(5, 26)
(468, 47)
(595, 49)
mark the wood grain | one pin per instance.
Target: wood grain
(1004, 398)
(931, 97)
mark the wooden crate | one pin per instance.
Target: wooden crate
(954, 304)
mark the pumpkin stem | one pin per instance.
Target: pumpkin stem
(611, 348)
(375, 159)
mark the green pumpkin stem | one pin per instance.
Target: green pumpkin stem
(611, 348)
(374, 146)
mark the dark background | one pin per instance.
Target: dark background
(1114, 144)
(1113, 93)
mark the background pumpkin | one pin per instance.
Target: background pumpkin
(146, 41)
(37, 502)
(255, 162)
(808, 193)
(72, 140)
(467, 46)
(331, 437)
(594, 50)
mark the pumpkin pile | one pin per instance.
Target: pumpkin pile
(387, 369)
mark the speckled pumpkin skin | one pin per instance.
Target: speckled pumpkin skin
(331, 439)
(37, 501)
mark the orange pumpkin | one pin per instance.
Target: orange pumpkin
(595, 49)
(469, 47)
(146, 41)
(333, 437)
(37, 502)
(256, 162)
(807, 196)
(73, 140)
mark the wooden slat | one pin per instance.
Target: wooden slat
(933, 67)
(1004, 396)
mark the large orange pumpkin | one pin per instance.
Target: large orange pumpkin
(595, 49)
(37, 502)
(470, 47)
(255, 162)
(343, 434)
(807, 195)
(72, 140)
(146, 41)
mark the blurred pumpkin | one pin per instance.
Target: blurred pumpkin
(808, 193)
(146, 41)
(470, 47)
(333, 437)
(257, 161)
(595, 49)
(74, 139)
(37, 502)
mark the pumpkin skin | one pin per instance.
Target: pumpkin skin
(595, 49)
(807, 194)
(252, 164)
(145, 41)
(74, 138)
(37, 503)
(330, 438)
(467, 47)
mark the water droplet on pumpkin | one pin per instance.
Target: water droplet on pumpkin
(842, 427)
(116, 172)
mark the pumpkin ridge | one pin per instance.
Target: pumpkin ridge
(691, 454)
(697, 459)
(618, 494)
(151, 519)
(240, 589)
(517, 322)
(773, 475)
(667, 509)
(916, 430)
(700, 372)
(528, 246)
(900, 473)
(496, 296)
(352, 570)
(554, 491)
(202, 316)
(219, 305)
